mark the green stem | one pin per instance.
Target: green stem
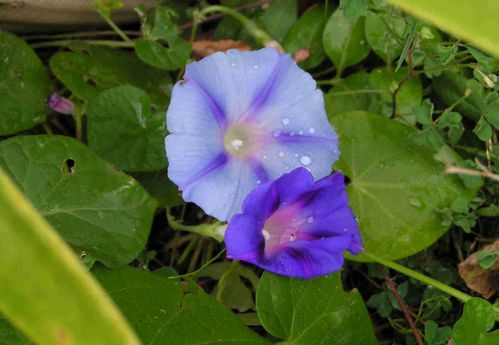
(64, 43)
(419, 276)
(114, 27)
(78, 116)
(200, 268)
(248, 24)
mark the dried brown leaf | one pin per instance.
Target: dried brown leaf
(483, 281)
(207, 47)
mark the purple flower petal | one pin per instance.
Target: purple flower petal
(299, 228)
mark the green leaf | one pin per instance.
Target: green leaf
(435, 335)
(155, 54)
(231, 291)
(344, 40)
(279, 16)
(160, 187)
(94, 207)
(483, 130)
(384, 33)
(314, 311)
(122, 129)
(487, 258)
(24, 86)
(45, 292)
(492, 116)
(88, 70)
(11, 336)
(424, 112)
(409, 95)
(354, 8)
(451, 87)
(165, 311)
(352, 93)
(460, 19)
(306, 33)
(477, 319)
(395, 188)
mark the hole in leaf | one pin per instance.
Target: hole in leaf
(68, 166)
(347, 180)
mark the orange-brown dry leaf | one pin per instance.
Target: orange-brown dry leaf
(483, 281)
(207, 47)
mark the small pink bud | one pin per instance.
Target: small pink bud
(301, 55)
(60, 104)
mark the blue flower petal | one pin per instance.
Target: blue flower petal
(235, 79)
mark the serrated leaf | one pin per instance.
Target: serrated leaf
(314, 311)
(165, 311)
(24, 86)
(93, 206)
(395, 188)
(122, 129)
(344, 40)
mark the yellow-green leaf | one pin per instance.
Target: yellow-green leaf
(45, 292)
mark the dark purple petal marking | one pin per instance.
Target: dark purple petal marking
(260, 171)
(219, 161)
(215, 108)
(267, 88)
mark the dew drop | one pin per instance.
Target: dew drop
(266, 234)
(311, 130)
(300, 132)
(292, 134)
(281, 154)
(233, 64)
(264, 156)
(345, 230)
(276, 133)
(258, 181)
(285, 121)
(286, 168)
(255, 66)
(305, 160)
(296, 155)
(310, 219)
(415, 202)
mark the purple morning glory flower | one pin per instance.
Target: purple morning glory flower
(295, 226)
(60, 104)
(239, 119)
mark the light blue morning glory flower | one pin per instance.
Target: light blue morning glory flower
(239, 119)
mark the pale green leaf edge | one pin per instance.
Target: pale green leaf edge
(473, 21)
(37, 244)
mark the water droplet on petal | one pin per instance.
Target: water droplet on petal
(281, 154)
(285, 121)
(264, 156)
(292, 134)
(300, 132)
(310, 219)
(286, 168)
(345, 230)
(258, 181)
(233, 64)
(296, 155)
(305, 160)
(266, 234)
(276, 133)
(311, 130)
(255, 67)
